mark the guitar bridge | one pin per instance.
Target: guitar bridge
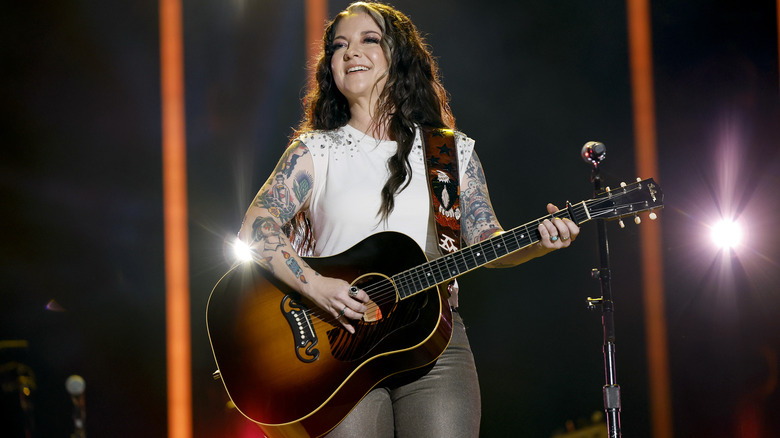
(297, 316)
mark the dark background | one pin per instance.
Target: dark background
(81, 176)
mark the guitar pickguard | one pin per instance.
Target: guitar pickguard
(297, 317)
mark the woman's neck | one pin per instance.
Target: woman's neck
(362, 120)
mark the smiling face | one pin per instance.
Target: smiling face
(359, 65)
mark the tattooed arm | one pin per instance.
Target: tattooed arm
(286, 192)
(479, 222)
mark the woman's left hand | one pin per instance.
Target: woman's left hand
(557, 233)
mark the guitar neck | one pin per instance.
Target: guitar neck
(445, 268)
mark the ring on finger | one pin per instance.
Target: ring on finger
(553, 238)
(342, 312)
(353, 291)
(564, 237)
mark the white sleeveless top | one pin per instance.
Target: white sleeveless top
(350, 169)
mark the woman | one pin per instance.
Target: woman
(356, 169)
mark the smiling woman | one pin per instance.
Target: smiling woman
(379, 364)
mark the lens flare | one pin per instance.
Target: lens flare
(242, 251)
(726, 234)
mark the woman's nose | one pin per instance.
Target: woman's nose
(350, 53)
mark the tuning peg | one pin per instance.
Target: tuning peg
(623, 184)
(608, 189)
(622, 225)
(653, 216)
(637, 220)
(638, 179)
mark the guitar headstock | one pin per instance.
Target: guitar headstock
(627, 200)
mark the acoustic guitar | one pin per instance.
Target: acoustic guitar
(292, 369)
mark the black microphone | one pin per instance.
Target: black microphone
(75, 386)
(594, 152)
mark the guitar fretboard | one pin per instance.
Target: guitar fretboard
(457, 263)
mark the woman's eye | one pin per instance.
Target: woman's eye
(371, 40)
(336, 46)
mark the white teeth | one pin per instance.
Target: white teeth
(357, 68)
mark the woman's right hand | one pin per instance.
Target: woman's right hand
(336, 297)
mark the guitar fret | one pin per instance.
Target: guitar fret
(471, 261)
(404, 288)
(513, 244)
(399, 284)
(500, 246)
(528, 234)
(463, 265)
(416, 284)
(427, 276)
(442, 275)
(412, 285)
(585, 209)
(450, 267)
(414, 281)
(425, 271)
(499, 249)
(479, 256)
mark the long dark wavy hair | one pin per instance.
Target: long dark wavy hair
(413, 95)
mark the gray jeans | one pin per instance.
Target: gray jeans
(444, 402)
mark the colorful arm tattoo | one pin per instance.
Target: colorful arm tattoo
(479, 220)
(281, 201)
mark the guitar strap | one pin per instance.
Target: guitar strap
(441, 165)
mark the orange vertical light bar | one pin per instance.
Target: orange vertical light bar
(175, 215)
(316, 14)
(641, 63)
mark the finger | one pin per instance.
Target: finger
(574, 230)
(551, 208)
(341, 317)
(352, 309)
(545, 232)
(347, 326)
(358, 294)
(552, 229)
(562, 229)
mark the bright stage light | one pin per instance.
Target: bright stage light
(242, 251)
(726, 234)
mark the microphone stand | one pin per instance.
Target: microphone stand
(611, 389)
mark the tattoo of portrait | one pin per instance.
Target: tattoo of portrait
(267, 232)
(276, 196)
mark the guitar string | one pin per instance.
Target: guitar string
(384, 292)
